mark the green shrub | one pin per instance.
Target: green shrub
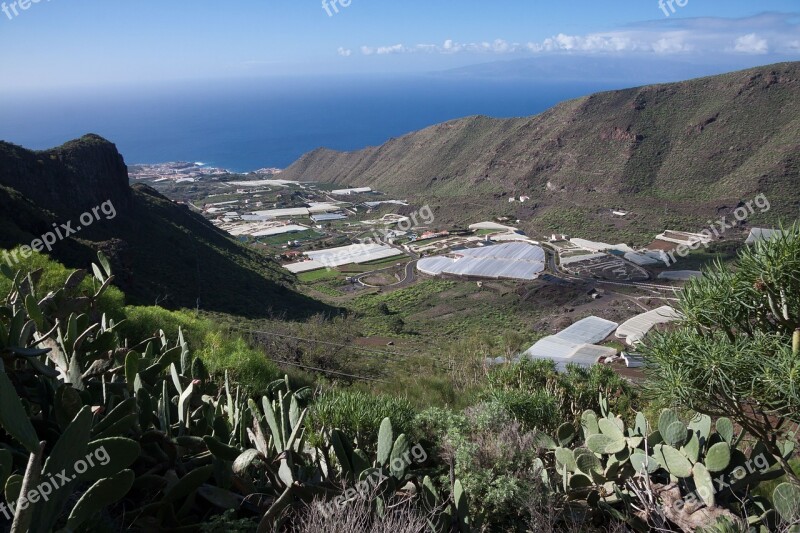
(494, 459)
(145, 322)
(534, 410)
(246, 366)
(360, 414)
(530, 388)
(53, 276)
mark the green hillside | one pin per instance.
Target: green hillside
(162, 253)
(676, 153)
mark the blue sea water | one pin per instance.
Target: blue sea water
(248, 125)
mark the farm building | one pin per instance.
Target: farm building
(329, 217)
(345, 255)
(513, 260)
(491, 226)
(600, 246)
(761, 234)
(576, 344)
(348, 192)
(641, 259)
(635, 329)
(279, 230)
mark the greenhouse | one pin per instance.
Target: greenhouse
(345, 255)
(635, 329)
(576, 344)
(641, 259)
(513, 260)
(512, 251)
(355, 253)
(589, 330)
(434, 266)
(279, 230)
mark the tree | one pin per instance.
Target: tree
(736, 351)
(396, 325)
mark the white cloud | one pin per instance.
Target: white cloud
(394, 49)
(776, 32)
(344, 52)
(751, 44)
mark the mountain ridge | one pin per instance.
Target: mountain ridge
(161, 251)
(694, 146)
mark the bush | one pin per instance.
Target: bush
(53, 276)
(494, 459)
(246, 366)
(145, 322)
(359, 414)
(540, 397)
(534, 410)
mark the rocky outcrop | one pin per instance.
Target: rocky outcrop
(70, 179)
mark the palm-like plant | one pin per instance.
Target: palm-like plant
(734, 354)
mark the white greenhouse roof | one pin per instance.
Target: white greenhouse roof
(761, 234)
(315, 208)
(576, 343)
(288, 212)
(305, 266)
(635, 329)
(290, 228)
(433, 266)
(355, 253)
(588, 354)
(515, 251)
(262, 183)
(333, 257)
(355, 190)
(490, 226)
(659, 255)
(580, 258)
(562, 352)
(641, 259)
(505, 237)
(552, 347)
(513, 260)
(600, 246)
(393, 202)
(495, 268)
(328, 217)
(589, 330)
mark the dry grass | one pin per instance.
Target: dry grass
(358, 516)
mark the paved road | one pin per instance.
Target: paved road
(410, 276)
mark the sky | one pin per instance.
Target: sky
(57, 44)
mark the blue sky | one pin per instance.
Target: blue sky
(62, 43)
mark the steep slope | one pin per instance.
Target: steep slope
(686, 148)
(162, 253)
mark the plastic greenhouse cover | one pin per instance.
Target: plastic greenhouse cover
(635, 329)
(589, 330)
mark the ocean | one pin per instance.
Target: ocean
(249, 125)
